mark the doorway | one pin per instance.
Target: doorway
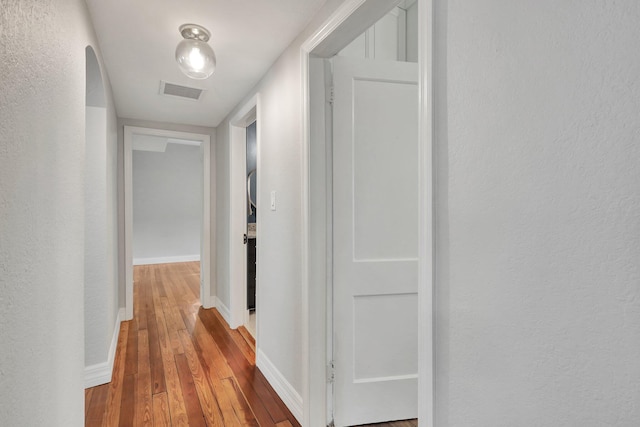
(351, 20)
(245, 220)
(252, 231)
(152, 139)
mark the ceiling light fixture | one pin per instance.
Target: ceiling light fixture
(194, 56)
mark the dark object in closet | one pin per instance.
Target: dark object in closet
(251, 274)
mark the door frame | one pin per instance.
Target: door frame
(205, 228)
(238, 124)
(348, 21)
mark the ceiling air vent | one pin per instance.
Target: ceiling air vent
(180, 91)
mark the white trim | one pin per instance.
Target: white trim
(282, 387)
(222, 309)
(205, 241)
(237, 225)
(101, 373)
(205, 227)
(238, 123)
(324, 43)
(426, 206)
(166, 259)
(128, 223)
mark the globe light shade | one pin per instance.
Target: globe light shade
(194, 56)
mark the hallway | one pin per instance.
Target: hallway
(178, 364)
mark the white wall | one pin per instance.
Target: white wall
(537, 210)
(279, 270)
(42, 167)
(95, 236)
(167, 203)
(100, 233)
(122, 122)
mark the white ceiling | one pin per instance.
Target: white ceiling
(138, 40)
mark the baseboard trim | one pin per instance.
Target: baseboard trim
(100, 373)
(285, 390)
(223, 310)
(166, 260)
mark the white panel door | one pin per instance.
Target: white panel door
(375, 241)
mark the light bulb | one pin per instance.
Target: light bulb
(196, 59)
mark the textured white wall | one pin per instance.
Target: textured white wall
(167, 202)
(537, 210)
(97, 333)
(42, 167)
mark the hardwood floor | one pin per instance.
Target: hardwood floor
(177, 364)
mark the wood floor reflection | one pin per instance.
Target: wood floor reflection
(177, 364)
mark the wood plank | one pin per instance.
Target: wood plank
(180, 290)
(112, 414)
(157, 280)
(189, 320)
(284, 424)
(208, 402)
(178, 294)
(242, 344)
(226, 407)
(211, 354)
(141, 304)
(189, 393)
(96, 407)
(144, 399)
(127, 411)
(88, 392)
(251, 341)
(240, 406)
(177, 407)
(261, 411)
(172, 327)
(155, 355)
(131, 361)
(192, 277)
(161, 416)
(237, 337)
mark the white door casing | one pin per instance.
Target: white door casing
(236, 312)
(205, 226)
(375, 240)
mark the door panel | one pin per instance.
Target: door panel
(375, 218)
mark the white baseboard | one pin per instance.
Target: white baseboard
(100, 373)
(223, 310)
(285, 390)
(166, 260)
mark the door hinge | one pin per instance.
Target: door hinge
(331, 372)
(332, 94)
